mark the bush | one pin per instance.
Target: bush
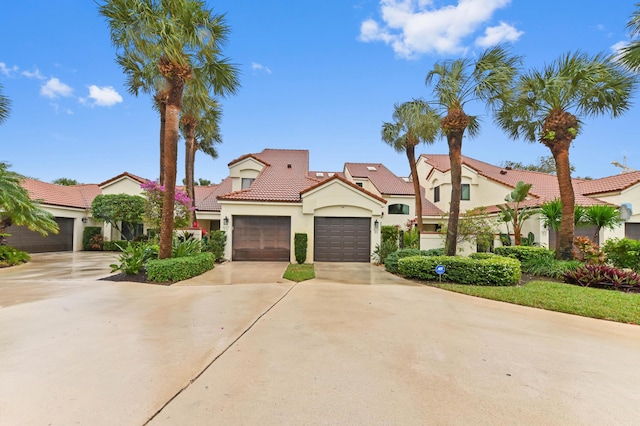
(493, 271)
(590, 274)
(134, 257)
(552, 268)
(216, 243)
(482, 255)
(623, 253)
(382, 251)
(391, 262)
(178, 269)
(588, 251)
(389, 232)
(300, 247)
(87, 234)
(524, 253)
(10, 256)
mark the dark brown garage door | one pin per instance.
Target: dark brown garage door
(32, 242)
(632, 231)
(342, 239)
(261, 238)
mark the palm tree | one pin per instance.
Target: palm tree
(456, 83)
(5, 105)
(200, 128)
(630, 55)
(182, 40)
(601, 216)
(548, 106)
(17, 208)
(414, 122)
(517, 215)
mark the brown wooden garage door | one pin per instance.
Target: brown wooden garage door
(261, 238)
(32, 242)
(342, 239)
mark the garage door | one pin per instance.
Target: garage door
(261, 238)
(32, 242)
(342, 239)
(632, 231)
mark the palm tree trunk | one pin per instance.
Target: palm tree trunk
(161, 102)
(170, 150)
(411, 156)
(564, 243)
(190, 158)
(455, 158)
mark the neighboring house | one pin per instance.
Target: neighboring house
(270, 196)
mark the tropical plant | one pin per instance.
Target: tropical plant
(169, 43)
(10, 256)
(623, 253)
(629, 55)
(513, 213)
(383, 250)
(216, 243)
(476, 227)
(5, 106)
(548, 107)
(17, 208)
(456, 83)
(118, 210)
(414, 122)
(602, 216)
(134, 257)
(588, 251)
(182, 247)
(590, 274)
(153, 212)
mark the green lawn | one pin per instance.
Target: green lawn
(553, 296)
(299, 272)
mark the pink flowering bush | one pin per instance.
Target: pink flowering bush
(154, 193)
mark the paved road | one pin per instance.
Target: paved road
(82, 351)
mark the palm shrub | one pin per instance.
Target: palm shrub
(134, 257)
(185, 247)
(383, 250)
(216, 244)
(300, 247)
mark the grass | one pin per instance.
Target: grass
(299, 272)
(553, 296)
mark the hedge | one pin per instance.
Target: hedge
(524, 253)
(495, 271)
(300, 244)
(391, 261)
(179, 268)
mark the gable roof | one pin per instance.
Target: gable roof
(545, 186)
(382, 178)
(284, 177)
(343, 180)
(614, 183)
(120, 176)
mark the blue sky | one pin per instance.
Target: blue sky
(321, 75)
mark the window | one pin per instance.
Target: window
(246, 182)
(436, 194)
(359, 184)
(398, 209)
(465, 194)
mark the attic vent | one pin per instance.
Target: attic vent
(319, 174)
(371, 168)
(288, 166)
(503, 172)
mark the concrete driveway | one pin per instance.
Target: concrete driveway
(104, 353)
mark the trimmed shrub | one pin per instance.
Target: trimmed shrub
(524, 253)
(391, 262)
(300, 247)
(87, 234)
(623, 253)
(216, 243)
(494, 271)
(179, 268)
(10, 256)
(482, 255)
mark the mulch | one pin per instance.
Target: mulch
(140, 277)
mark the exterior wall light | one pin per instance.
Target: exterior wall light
(376, 225)
(85, 220)
(225, 221)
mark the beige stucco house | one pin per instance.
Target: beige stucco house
(270, 196)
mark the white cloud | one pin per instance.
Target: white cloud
(617, 47)
(54, 88)
(34, 74)
(416, 27)
(259, 67)
(498, 34)
(7, 70)
(104, 96)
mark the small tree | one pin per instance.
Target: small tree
(118, 210)
(152, 216)
(476, 226)
(602, 216)
(513, 213)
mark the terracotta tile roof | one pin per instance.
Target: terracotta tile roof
(283, 178)
(244, 157)
(428, 208)
(344, 180)
(610, 184)
(545, 186)
(78, 196)
(209, 201)
(382, 178)
(324, 175)
(121, 175)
